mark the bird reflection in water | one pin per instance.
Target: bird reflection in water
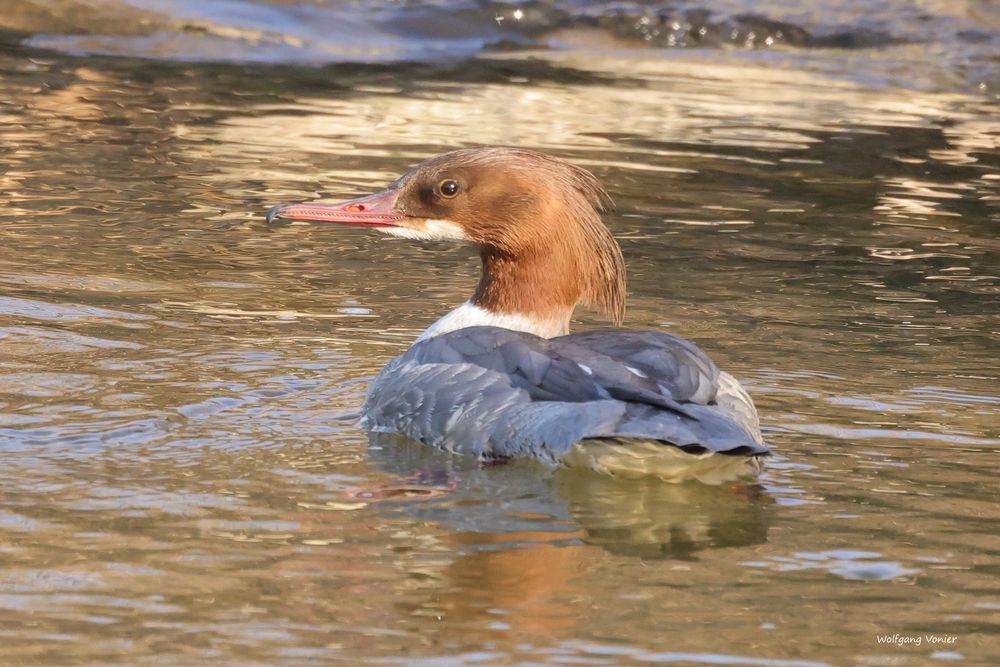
(528, 537)
(645, 517)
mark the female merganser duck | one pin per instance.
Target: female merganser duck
(500, 376)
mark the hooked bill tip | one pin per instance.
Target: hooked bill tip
(274, 213)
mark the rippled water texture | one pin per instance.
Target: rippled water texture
(183, 481)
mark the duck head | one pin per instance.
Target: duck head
(534, 218)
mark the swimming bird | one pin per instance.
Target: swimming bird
(500, 376)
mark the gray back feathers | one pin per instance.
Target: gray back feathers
(499, 393)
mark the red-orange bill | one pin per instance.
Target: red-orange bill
(377, 210)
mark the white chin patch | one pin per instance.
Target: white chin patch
(430, 230)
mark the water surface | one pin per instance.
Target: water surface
(183, 480)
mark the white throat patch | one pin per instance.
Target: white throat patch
(433, 230)
(469, 315)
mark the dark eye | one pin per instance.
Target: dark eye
(448, 188)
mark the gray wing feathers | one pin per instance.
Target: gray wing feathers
(448, 405)
(469, 409)
(499, 393)
(559, 369)
(552, 428)
(678, 365)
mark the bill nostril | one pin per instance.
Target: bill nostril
(356, 208)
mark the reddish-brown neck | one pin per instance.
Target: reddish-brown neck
(548, 272)
(543, 286)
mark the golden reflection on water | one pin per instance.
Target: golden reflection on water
(179, 384)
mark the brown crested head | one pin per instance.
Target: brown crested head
(535, 219)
